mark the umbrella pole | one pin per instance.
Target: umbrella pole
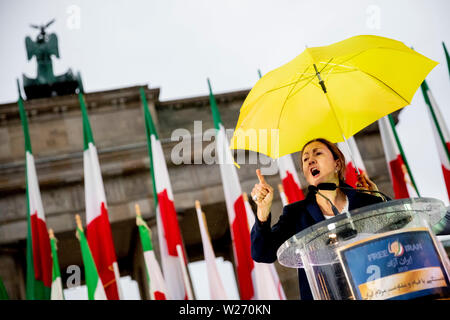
(343, 135)
(322, 84)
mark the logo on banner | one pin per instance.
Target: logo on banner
(396, 248)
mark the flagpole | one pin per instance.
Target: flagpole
(29, 284)
(148, 132)
(268, 284)
(397, 140)
(198, 207)
(283, 197)
(56, 292)
(322, 84)
(447, 57)
(103, 251)
(216, 286)
(236, 210)
(35, 288)
(23, 117)
(425, 91)
(187, 283)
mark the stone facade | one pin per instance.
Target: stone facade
(117, 123)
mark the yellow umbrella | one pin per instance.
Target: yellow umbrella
(330, 92)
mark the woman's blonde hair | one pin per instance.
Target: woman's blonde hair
(337, 155)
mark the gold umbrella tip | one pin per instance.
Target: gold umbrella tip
(78, 221)
(138, 210)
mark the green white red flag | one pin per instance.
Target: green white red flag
(57, 287)
(39, 260)
(156, 284)
(440, 133)
(354, 161)
(400, 177)
(98, 229)
(237, 216)
(169, 233)
(268, 284)
(94, 284)
(216, 288)
(289, 178)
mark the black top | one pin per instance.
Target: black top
(296, 217)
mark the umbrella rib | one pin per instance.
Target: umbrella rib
(287, 85)
(309, 81)
(350, 58)
(291, 83)
(299, 89)
(328, 74)
(284, 104)
(289, 94)
(326, 65)
(340, 63)
(384, 83)
(312, 75)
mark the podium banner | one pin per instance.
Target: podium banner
(398, 265)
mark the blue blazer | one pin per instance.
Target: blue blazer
(296, 217)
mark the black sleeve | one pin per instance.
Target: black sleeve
(267, 240)
(369, 199)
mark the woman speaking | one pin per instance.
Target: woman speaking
(321, 162)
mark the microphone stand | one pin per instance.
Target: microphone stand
(333, 186)
(345, 234)
(333, 207)
(315, 190)
(384, 197)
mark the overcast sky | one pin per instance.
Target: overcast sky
(176, 45)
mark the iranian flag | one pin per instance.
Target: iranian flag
(98, 229)
(289, 178)
(237, 217)
(216, 288)
(39, 259)
(57, 287)
(268, 284)
(94, 283)
(400, 177)
(354, 160)
(156, 284)
(170, 239)
(440, 133)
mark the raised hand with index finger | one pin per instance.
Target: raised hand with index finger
(262, 194)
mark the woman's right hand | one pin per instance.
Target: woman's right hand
(262, 194)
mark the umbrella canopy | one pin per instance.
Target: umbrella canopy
(330, 92)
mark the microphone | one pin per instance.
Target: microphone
(314, 190)
(327, 186)
(332, 186)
